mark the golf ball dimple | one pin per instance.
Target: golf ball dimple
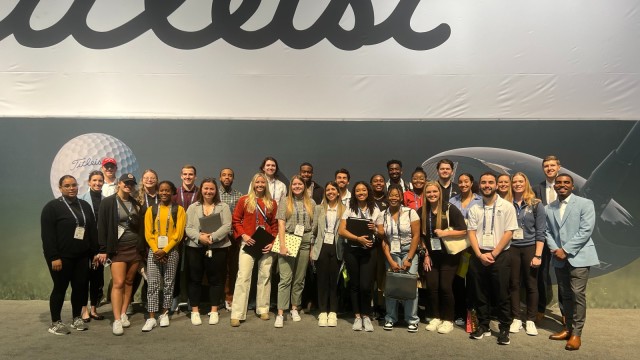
(83, 154)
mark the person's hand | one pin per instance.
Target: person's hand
(440, 233)
(487, 259)
(406, 264)
(283, 249)
(364, 240)
(535, 262)
(560, 254)
(56, 265)
(427, 264)
(159, 254)
(371, 226)
(205, 239)
(394, 266)
(248, 240)
(266, 249)
(102, 258)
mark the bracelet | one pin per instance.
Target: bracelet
(537, 257)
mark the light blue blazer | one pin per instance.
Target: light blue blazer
(318, 230)
(573, 232)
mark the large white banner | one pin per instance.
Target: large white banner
(320, 59)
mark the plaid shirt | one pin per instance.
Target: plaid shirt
(230, 198)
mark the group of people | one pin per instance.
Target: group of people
(472, 244)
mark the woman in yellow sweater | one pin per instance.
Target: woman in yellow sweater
(164, 229)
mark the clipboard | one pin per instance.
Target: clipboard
(210, 224)
(262, 238)
(359, 227)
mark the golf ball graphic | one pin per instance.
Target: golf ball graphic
(84, 153)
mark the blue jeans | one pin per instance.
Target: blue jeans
(410, 306)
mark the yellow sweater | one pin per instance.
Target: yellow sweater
(152, 230)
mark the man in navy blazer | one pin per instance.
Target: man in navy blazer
(570, 223)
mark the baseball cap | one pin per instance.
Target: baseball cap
(109, 160)
(128, 178)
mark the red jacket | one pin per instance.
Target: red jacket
(244, 222)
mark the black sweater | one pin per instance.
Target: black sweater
(58, 225)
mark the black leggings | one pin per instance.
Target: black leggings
(216, 269)
(327, 272)
(96, 285)
(361, 268)
(75, 271)
(440, 284)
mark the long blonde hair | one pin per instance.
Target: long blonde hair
(426, 203)
(325, 201)
(252, 200)
(509, 195)
(306, 200)
(528, 196)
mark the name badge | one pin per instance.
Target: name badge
(436, 244)
(79, 233)
(299, 231)
(163, 241)
(121, 230)
(328, 238)
(518, 234)
(487, 240)
(395, 246)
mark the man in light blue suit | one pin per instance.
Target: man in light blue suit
(570, 223)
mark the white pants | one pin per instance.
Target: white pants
(243, 284)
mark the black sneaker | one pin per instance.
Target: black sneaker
(503, 338)
(479, 333)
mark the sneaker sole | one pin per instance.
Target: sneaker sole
(143, 330)
(57, 333)
(412, 330)
(504, 343)
(488, 333)
(80, 329)
(387, 328)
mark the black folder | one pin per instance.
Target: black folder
(262, 238)
(359, 227)
(211, 223)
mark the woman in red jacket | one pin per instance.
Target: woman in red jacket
(254, 210)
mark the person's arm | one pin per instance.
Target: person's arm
(540, 234)
(314, 224)
(149, 233)
(281, 235)
(48, 233)
(237, 219)
(193, 224)
(415, 241)
(176, 232)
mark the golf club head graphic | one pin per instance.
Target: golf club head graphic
(610, 186)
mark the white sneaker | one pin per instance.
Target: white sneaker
(445, 327)
(433, 324)
(357, 324)
(494, 326)
(366, 322)
(149, 325)
(117, 328)
(515, 327)
(195, 318)
(124, 319)
(279, 321)
(295, 315)
(531, 328)
(214, 318)
(164, 320)
(323, 319)
(332, 319)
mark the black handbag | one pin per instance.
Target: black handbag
(401, 285)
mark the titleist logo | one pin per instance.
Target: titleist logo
(227, 26)
(84, 162)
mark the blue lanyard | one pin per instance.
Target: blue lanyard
(493, 217)
(391, 223)
(304, 213)
(430, 225)
(518, 210)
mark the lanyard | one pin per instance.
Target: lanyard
(431, 224)
(335, 219)
(168, 218)
(84, 218)
(146, 199)
(362, 214)
(182, 196)
(390, 231)
(518, 210)
(262, 212)
(304, 213)
(416, 200)
(484, 220)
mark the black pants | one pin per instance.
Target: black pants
(96, 285)
(492, 280)
(216, 269)
(440, 284)
(521, 271)
(75, 271)
(361, 268)
(327, 272)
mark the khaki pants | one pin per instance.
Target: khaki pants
(243, 284)
(292, 274)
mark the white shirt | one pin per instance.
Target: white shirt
(332, 222)
(551, 192)
(109, 189)
(407, 216)
(563, 206)
(505, 220)
(346, 198)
